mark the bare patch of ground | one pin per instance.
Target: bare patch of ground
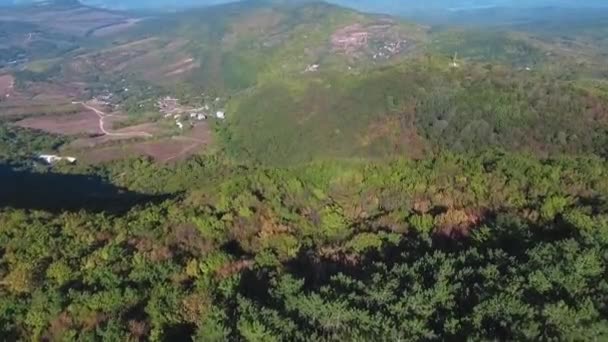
(106, 119)
(92, 142)
(103, 155)
(36, 99)
(379, 40)
(181, 67)
(74, 118)
(163, 150)
(150, 128)
(350, 38)
(7, 83)
(26, 109)
(74, 124)
(169, 149)
(47, 90)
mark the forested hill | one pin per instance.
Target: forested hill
(373, 179)
(459, 247)
(336, 83)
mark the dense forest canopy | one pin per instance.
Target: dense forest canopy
(494, 246)
(429, 196)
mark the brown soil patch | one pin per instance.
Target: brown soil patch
(20, 109)
(66, 91)
(40, 94)
(163, 151)
(102, 155)
(151, 128)
(200, 132)
(381, 39)
(160, 150)
(170, 150)
(97, 141)
(350, 38)
(6, 85)
(182, 66)
(74, 124)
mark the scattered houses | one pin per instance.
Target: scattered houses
(198, 116)
(380, 40)
(172, 109)
(167, 105)
(350, 38)
(312, 68)
(52, 159)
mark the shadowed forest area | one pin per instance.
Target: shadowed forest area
(25, 189)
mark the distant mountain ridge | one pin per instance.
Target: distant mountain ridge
(383, 6)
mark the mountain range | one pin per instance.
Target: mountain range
(334, 76)
(380, 6)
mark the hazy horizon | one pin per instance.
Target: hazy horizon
(386, 6)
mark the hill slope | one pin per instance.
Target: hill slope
(232, 47)
(303, 81)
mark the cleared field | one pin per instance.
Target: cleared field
(75, 124)
(92, 142)
(6, 85)
(166, 150)
(182, 67)
(25, 109)
(163, 150)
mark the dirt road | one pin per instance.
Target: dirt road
(196, 143)
(102, 115)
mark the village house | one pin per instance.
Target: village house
(52, 159)
(312, 68)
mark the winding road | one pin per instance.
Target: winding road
(102, 115)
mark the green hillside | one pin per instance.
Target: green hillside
(308, 80)
(233, 47)
(457, 247)
(374, 180)
(416, 107)
(509, 90)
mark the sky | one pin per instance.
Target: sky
(385, 6)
